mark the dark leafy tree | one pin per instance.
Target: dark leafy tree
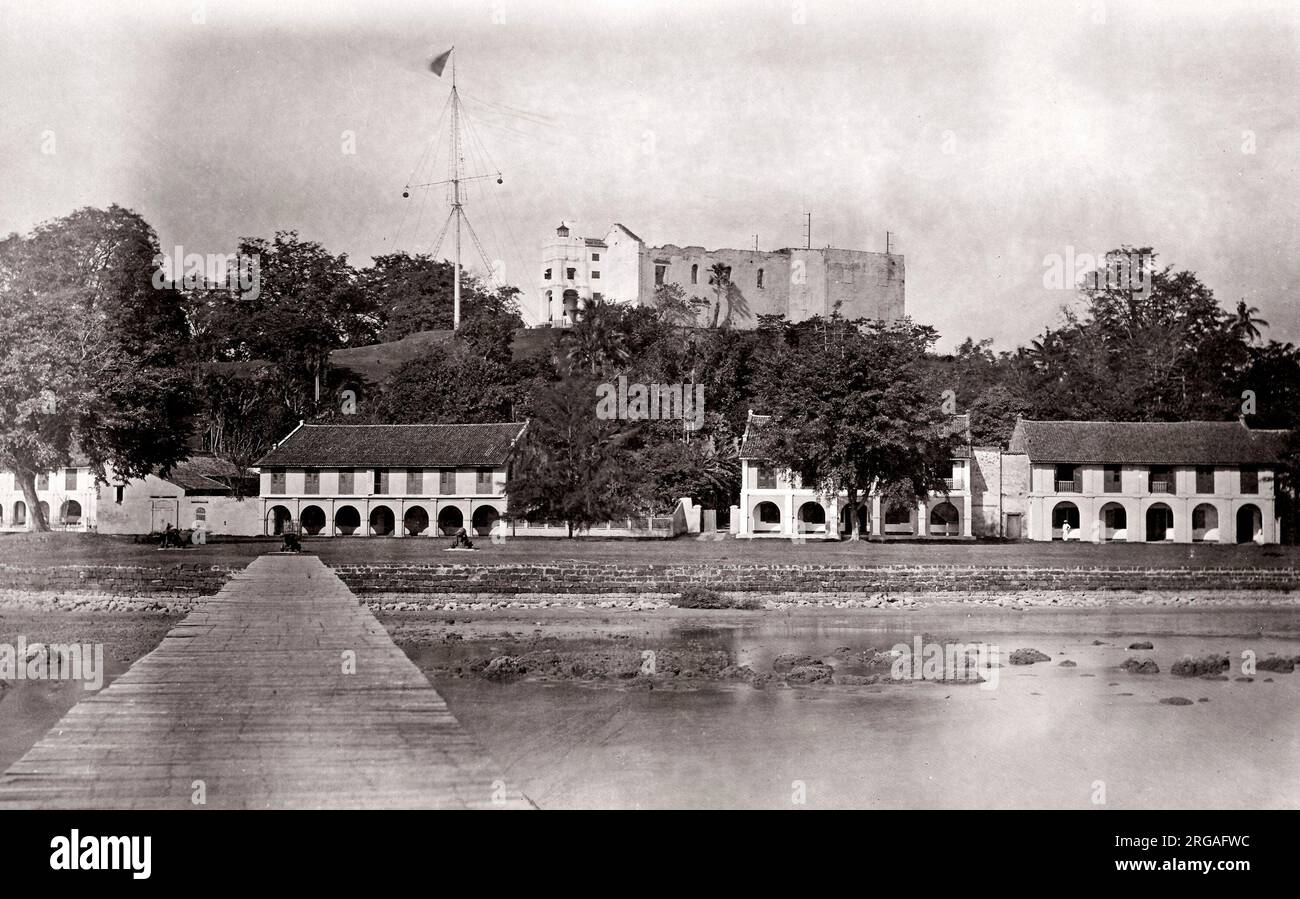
(993, 416)
(445, 386)
(304, 303)
(570, 465)
(415, 293)
(676, 308)
(243, 413)
(88, 350)
(1161, 349)
(852, 410)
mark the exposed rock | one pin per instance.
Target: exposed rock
(1203, 699)
(1191, 667)
(1280, 664)
(1028, 657)
(1100, 643)
(1145, 644)
(810, 674)
(504, 668)
(1176, 700)
(1067, 664)
(1140, 666)
(787, 661)
(1245, 680)
(704, 598)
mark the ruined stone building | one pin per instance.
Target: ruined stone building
(795, 282)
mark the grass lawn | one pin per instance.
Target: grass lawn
(70, 549)
(101, 549)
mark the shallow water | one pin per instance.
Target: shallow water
(1045, 736)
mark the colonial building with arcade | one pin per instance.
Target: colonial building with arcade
(387, 480)
(1149, 482)
(773, 503)
(1094, 481)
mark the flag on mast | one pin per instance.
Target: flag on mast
(439, 63)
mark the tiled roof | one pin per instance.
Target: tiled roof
(753, 445)
(593, 241)
(203, 474)
(396, 446)
(1146, 442)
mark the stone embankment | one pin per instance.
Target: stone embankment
(404, 586)
(595, 577)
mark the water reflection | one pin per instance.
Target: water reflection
(1043, 738)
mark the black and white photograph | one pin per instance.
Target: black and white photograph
(635, 406)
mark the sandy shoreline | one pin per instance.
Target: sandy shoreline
(452, 602)
(74, 601)
(71, 601)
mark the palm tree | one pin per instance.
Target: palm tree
(1245, 324)
(720, 279)
(596, 339)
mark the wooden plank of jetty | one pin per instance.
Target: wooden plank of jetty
(247, 703)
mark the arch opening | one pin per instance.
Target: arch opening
(767, 517)
(1114, 523)
(1065, 521)
(415, 521)
(1160, 523)
(381, 521)
(485, 517)
(450, 520)
(347, 521)
(812, 518)
(1205, 524)
(945, 520)
(312, 520)
(70, 513)
(1250, 524)
(279, 518)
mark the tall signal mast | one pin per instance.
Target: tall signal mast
(456, 177)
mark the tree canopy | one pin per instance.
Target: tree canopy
(88, 347)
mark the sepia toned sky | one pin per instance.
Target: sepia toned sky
(985, 136)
